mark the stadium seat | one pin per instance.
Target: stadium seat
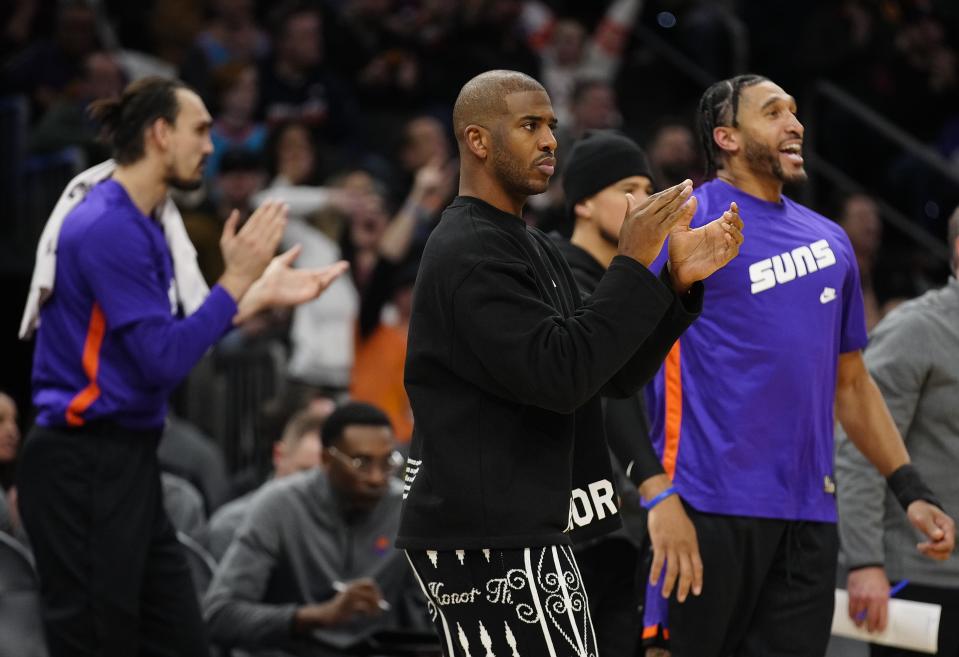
(21, 630)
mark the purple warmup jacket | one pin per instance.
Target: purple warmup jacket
(111, 344)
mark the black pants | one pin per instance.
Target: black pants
(114, 579)
(948, 623)
(608, 567)
(768, 589)
(523, 602)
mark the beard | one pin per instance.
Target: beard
(763, 159)
(512, 175)
(184, 184)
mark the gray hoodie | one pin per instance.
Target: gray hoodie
(294, 543)
(914, 357)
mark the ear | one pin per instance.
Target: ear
(727, 138)
(583, 210)
(279, 451)
(159, 132)
(477, 139)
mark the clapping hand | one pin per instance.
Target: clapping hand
(282, 286)
(696, 253)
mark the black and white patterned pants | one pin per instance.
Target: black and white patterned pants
(527, 602)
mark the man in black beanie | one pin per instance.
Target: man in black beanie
(602, 168)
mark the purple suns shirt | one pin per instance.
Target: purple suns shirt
(742, 410)
(110, 345)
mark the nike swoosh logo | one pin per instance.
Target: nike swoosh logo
(828, 294)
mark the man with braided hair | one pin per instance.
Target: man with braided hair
(743, 410)
(504, 369)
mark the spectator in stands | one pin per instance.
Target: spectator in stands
(184, 507)
(188, 453)
(295, 83)
(914, 356)
(298, 449)
(241, 174)
(67, 122)
(236, 89)
(859, 217)
(377, 376)
(294, 158)
(426, 141)
(488, 36)
(321, 334)
(426, 159)
(9, 444)
(44, 70)
(312, 569)
(673, 155)
(374, 44)
(570, 55)
(593, 107)
(232, 35)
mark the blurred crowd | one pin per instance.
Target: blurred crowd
(342, 109)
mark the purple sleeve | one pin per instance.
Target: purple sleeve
(165, 350)
(124, 270)
(853, 330)
(126, 274)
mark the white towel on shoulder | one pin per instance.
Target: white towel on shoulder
(191, 289)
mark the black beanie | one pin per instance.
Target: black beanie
(599, 160)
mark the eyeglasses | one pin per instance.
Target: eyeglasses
(366, 465)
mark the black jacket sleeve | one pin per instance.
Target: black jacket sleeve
(627, 432)
(533, 355)
(650, 355)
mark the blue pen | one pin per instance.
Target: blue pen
(893, 591)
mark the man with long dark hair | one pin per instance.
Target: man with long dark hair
(112, 342)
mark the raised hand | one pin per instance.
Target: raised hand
(937, 526)
(647, 224)
(695, 253)
(248, 251)
(282, 286)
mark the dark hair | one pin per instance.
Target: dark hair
(125, 119)
(351, 414)
(281, 16)
(240, 159)
(582, 86)
(719, 106)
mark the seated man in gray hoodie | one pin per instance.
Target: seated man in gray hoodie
(312, 569)
(298, 449)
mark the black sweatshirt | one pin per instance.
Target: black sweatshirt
(502, 354)
(627, 429)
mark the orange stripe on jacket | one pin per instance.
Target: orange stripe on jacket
(674, 409)
(655, 631)
(91, 364)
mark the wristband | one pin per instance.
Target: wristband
(908, 486)
(659, 498)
